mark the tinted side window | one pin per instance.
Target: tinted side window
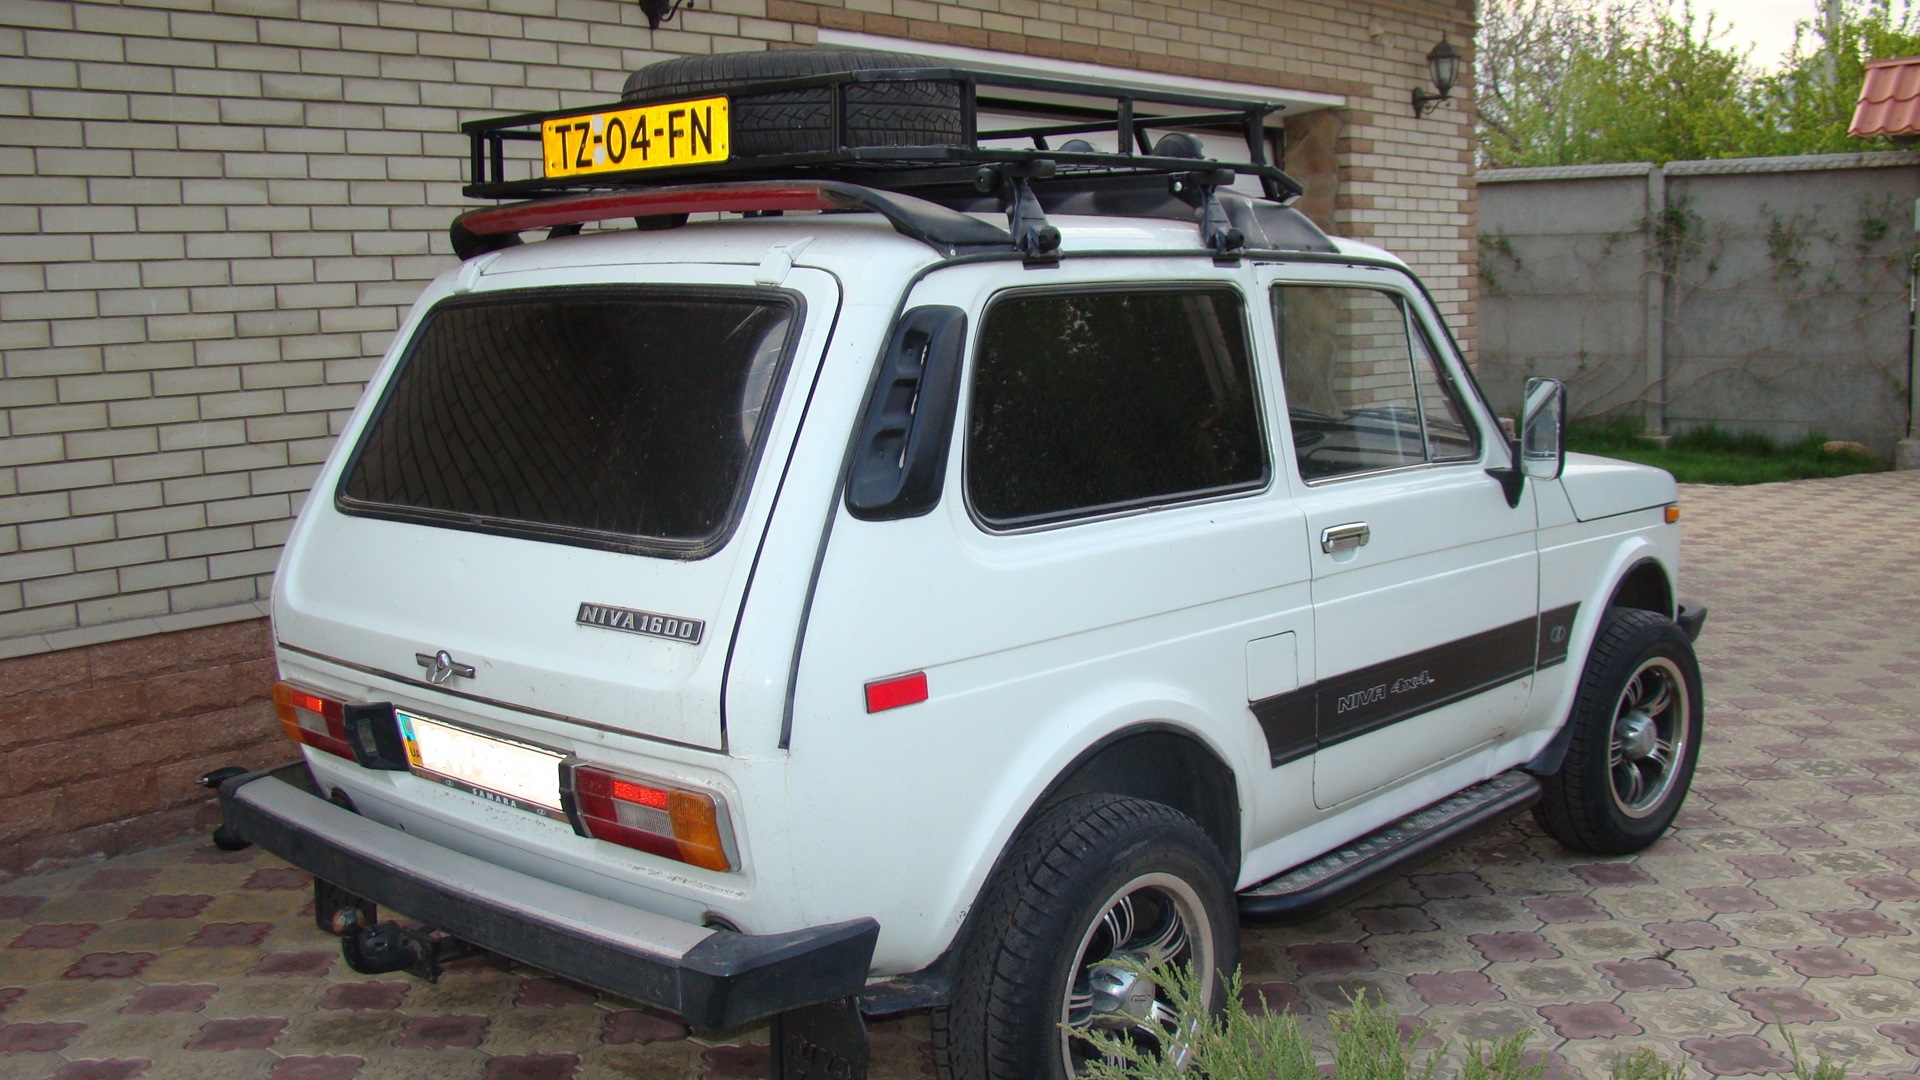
(1086, 402)
(1364, 390)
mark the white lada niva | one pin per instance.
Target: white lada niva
(817, 557)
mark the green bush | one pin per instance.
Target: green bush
(1368, 1044)
(1711, 455)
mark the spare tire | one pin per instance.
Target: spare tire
(801, 121)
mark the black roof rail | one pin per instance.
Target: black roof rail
(1144, 176)
(900, 167)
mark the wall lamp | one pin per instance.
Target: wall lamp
(659, 11)
(1443, 63)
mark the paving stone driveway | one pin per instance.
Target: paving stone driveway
(1786, 896)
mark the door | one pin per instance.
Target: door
(1424, 579)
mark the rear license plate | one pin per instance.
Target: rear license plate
(509, 773)
(620, 140)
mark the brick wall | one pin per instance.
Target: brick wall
(100, 745)
(215, 212)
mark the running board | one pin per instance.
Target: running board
(1312, 888)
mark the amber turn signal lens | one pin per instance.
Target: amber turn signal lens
(1673, 514)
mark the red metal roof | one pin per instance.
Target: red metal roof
(1889, 99)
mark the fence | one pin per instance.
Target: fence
(1762, 294)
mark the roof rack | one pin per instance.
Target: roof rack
(960, 173)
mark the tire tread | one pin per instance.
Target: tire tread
(1577, 800)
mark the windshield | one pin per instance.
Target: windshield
(618, 418)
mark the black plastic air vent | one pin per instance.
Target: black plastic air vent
(900, 462)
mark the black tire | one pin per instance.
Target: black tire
(1027, 964)
(878, 114)
(1636, 730)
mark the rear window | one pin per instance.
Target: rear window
(616, 418)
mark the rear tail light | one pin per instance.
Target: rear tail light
(308, 718)
(652, 816)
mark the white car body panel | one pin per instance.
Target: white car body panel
(1037, 644)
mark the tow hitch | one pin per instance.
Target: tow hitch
(371, 947)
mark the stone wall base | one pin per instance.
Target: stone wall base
(100, 745)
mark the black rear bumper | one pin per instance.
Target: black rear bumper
(711, 979)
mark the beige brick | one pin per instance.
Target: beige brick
(204, 542)
(91, 220)
(58, 590)
(293, 478)
(37, 621)
(170, 519)
(125, 77)
(200, 489)
(28, 450)
(119, 553)
(238, 351)
(50, 305)
(202, 435)
(66, 533)
(264, 376)
(279, 59)
(15, 393)
(63, 476)
(221, 139)
(309, 451)
(143, 246)
(162, 575)
(27, 565)
(113, 387)
(148, 355)
(258, 508)
(111, 443)
(152, 411)
(175, 53)
(244, 458)
(278, 323)
(40, 421)
(106, 19)
(286, 426)
(244, 403)
(212, 594)
(16, 509)
(70, 46)
(190, 327)
(59, 74)
(243, 563)
(120, 607)
(175, 109)
(196, 381)
(213, 27)
(112, 500)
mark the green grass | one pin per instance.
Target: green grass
(1368, 1044)
(1710, 455)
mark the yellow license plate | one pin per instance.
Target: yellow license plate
(650, 137)
(508, 773)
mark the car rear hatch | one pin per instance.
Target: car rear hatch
(552, 498)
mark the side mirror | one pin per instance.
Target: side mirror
(1543, 429)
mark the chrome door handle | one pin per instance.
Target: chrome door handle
(1344, 537)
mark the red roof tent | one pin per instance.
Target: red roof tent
(1889, 99)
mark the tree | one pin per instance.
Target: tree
(1806, 108)
(1571, 82)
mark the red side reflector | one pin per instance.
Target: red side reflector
(893, 693)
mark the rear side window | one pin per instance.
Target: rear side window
(616, 418)
(1089, 402)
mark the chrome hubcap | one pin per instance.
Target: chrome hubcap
(1154, 919)
(1650, 736)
